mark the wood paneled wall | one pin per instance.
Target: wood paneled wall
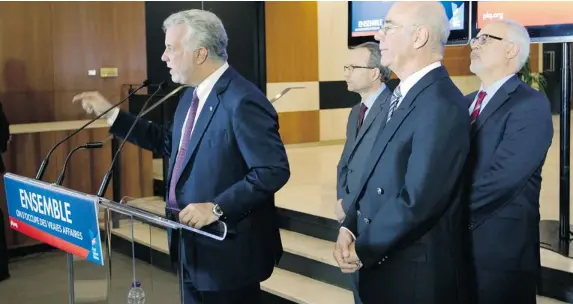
(292, 61)
(307, 47)
(46, 50)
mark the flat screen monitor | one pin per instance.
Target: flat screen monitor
(545, 21)
(365, 18)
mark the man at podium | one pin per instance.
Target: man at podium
(227, 161)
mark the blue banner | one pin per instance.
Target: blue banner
(60, 217)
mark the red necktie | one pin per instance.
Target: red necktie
(477, 107)
(363, 109)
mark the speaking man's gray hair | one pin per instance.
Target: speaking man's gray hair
(205, 29)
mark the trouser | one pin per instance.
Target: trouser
(495, 286)
(354, 287)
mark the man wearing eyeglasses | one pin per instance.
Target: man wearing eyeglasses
(402, 231)
(366, 76)
(511, 132)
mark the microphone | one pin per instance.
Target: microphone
(46, 160)
(89, 145)
(143, 111)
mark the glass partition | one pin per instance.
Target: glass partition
(139, 253)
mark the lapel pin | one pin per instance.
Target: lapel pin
(210, 108)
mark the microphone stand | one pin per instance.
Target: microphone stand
(89, 145)
(46, 160)
(42, 170)
(69, 256)
(108, 174)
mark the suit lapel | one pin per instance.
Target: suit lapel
(406, 106)
(353, 123)
(497, 100)
(207, 112)
(372, 115)
(470, 99)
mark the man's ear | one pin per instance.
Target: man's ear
(422, 35)
(376, 74)
(201, 55)
(512, 51)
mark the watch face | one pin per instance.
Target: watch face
(217, 210)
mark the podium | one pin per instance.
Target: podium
(83, 226)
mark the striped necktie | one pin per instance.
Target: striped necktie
(186, 138)
(477, 108)
(396, 95)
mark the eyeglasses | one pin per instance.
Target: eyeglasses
(484, 38)
(350, 68)
(388, 27)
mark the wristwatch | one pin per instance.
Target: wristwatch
(217, 210)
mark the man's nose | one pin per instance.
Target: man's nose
(379, 35)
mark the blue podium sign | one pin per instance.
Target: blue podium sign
(60, 217)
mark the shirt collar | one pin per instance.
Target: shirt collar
(406, 84)
(205, 87)
(369, 101)
(492, 89)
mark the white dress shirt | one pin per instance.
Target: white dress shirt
(406, 84)
(203, 91)
(489, 93)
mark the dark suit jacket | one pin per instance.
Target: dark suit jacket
(510, 139)
(235, 159)
(408, 220)
(353, 138)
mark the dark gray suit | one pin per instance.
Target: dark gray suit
(356, 150)
(358, 146)
(407, 214)
(509, 141)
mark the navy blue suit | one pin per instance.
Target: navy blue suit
(407, 216)
(509, 141)
(235, 159)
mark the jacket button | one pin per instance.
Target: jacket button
(379, 191)
(367, 221)
(358, 212)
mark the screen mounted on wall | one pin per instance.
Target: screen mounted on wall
(545, 21)
(365, 18)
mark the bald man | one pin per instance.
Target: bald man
(402, 232)
(511, 132)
